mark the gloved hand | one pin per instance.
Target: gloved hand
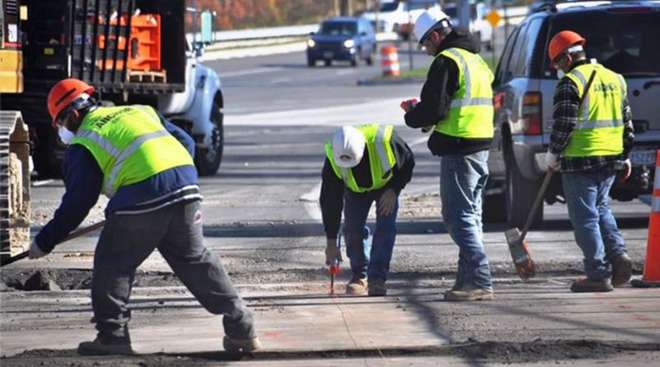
(332, 252)
(386, 202)
(552, 161)
(35, 251)
(408, 104)
(627, 169)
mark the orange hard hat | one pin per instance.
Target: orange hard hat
(562, 41)
(63, 93)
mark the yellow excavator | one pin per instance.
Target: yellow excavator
(14, 140)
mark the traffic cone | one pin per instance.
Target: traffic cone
(651, 277)
(390, 60)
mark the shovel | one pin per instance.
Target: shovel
(518, 247)
(71, 236)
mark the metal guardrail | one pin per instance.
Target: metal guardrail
(514, 15)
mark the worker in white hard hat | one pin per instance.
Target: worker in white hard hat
(456, 103)
(364, 164)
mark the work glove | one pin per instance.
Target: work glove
(386, 202)
(627, 169)
(332, 252)
(408, 104)
(35, 251)
(551, 161)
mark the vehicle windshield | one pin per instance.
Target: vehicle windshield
(338, 29)
(626, 43)
(451, 11)
(391, 6)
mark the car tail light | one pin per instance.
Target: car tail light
(531, 113)
(498, 101)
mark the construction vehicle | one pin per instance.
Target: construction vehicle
(132, 51)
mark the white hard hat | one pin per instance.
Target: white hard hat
(429, 20)
(348, 147)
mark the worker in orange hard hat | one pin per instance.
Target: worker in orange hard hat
(144, 164)
(591, 138)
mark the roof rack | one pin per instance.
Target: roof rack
(551, 5)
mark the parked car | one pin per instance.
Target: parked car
(620, 35)
(342, 39)
(399, 16)
(479, 26)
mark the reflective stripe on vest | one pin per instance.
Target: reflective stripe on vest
(130, 145)
(599, 128)
(382, 158)
(471, 111)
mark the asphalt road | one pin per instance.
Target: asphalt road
(261, 211)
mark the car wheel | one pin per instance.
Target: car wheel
(493, 207)
(370, 59)
(207, 160)
(520, 194)
(327, 62)
(311, 62)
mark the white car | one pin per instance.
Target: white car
(398, 16)
(479, 26)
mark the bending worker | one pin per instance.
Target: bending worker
(589, 144)
(144, 165)
(456, 102)
(364, 164)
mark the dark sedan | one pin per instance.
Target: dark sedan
(342, 39)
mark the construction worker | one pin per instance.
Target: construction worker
(456, 103)
(144, 165)
(364, 164)
(589, 144)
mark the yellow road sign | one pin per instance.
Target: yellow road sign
(493, 18)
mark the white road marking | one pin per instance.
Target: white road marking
(310, 201)
(248, 72)
(381, 111)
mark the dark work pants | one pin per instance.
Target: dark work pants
(176, 230)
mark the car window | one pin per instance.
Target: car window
(339, 28)
(518, 52)
(503, 74)
(524, 62)
(628, 44)
(387, 7)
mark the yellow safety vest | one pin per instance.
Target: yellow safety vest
(599, 129)
(471, 111)
(130, 144)
(381, 158)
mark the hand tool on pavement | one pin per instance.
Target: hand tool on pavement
(333, 268)
(522, 259)
(71, 236)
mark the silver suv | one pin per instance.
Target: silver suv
(623, 36)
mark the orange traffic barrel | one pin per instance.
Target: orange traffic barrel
(390, 60)
(651, 277)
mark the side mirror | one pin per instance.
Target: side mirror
(207, 18)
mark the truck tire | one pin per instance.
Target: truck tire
(494, 208)
(208, 160)
(520, 194)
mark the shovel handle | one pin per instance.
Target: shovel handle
(71, 236)
(537, 203)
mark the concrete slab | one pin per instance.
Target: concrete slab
(306, 320)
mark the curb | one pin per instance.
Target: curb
(383, 81)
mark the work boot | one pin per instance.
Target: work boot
(582, 285)
(377, 288)
(357, 287)
(106, 346)
(621, 270)
(470, 293)
(233, 345)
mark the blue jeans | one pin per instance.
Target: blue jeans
(372, 260)
(596, 232)
(462, 180)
